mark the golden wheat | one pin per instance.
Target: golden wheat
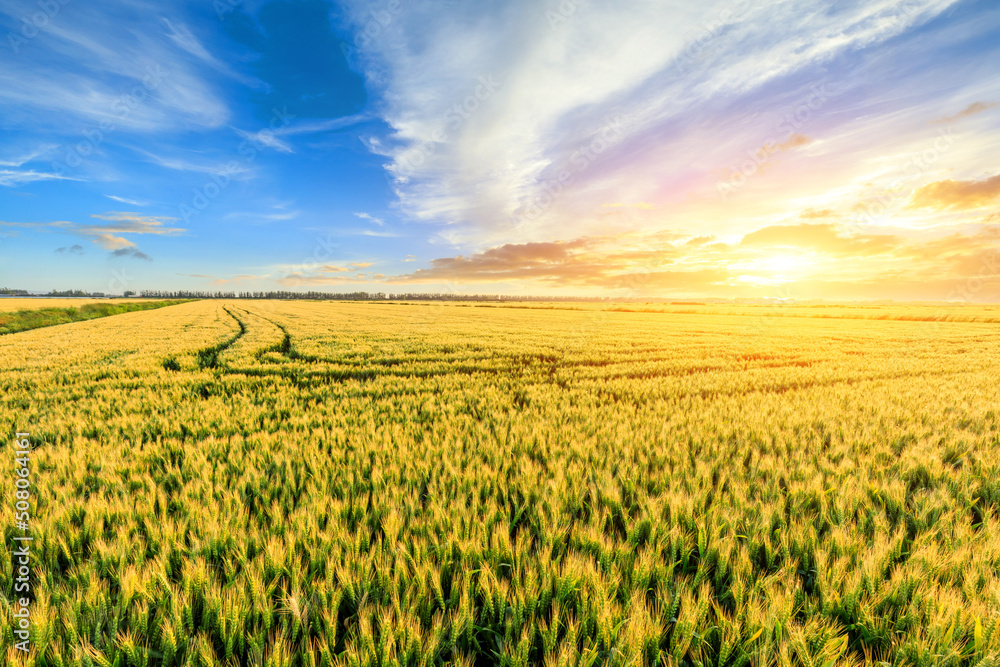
(317, 484)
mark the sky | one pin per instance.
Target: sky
(782, 149)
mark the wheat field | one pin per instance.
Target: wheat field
(296, 484)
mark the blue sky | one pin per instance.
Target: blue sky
(794, 149)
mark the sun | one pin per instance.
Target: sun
(782, 264)
(773, 269)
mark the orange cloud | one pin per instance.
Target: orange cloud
(609, 262)
(822, 237)
(952, 194)
(506, 262)
(971, 110)
(813, 214)
(795, 141)
(111, 242)
(880, 266)
(108, 236)
(965, 255)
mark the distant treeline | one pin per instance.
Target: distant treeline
(74, 293)
(362, 296)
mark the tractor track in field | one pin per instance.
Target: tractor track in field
(208, 357)
(283, 348)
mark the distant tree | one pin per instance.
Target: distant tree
(69, 292)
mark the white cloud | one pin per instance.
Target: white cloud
(127, 201)
(312, 127)
(91, 74)
(182, 36)
(179, 164)
(371, 218)
(266, 138)
(369, 232)
(271, 138)
(639, 67)
(265, 217)
(30, 156)
(13, 178)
